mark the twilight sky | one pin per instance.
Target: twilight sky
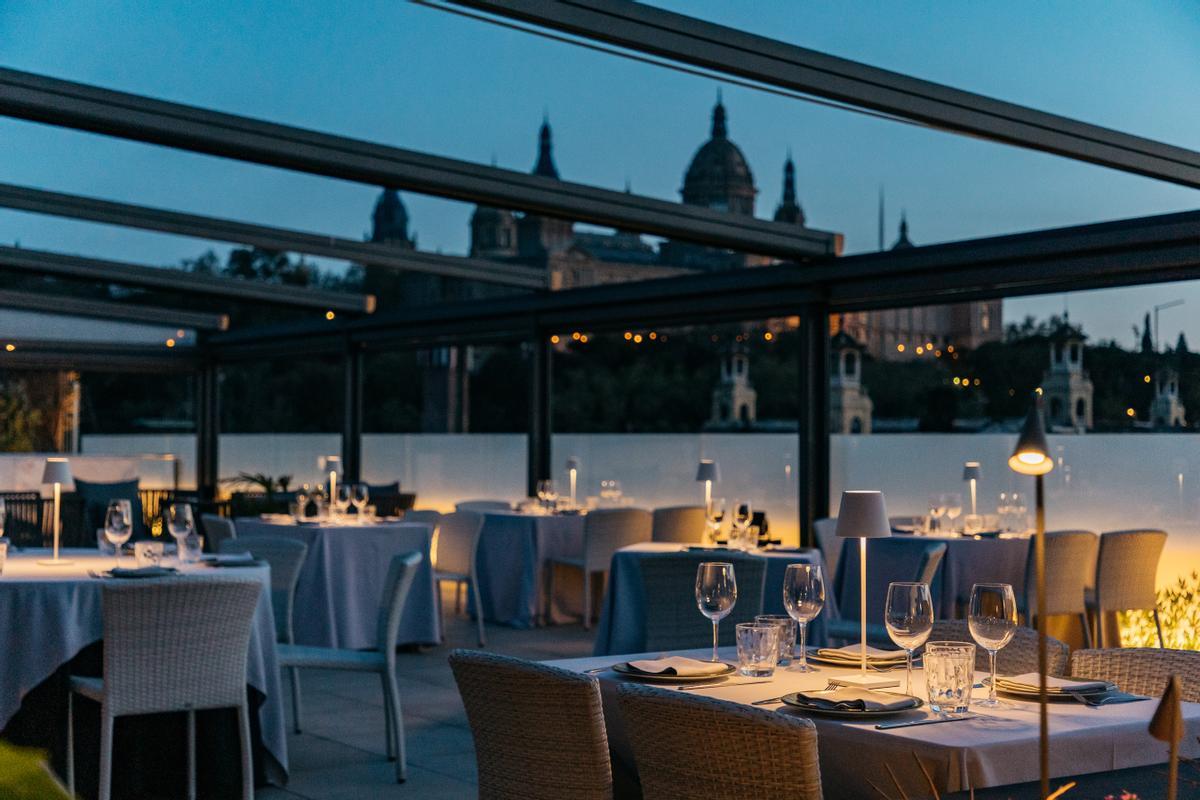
(420, 78)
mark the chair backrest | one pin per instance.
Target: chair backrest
(539, 730)
(607, 530)
(457, 537)
(23, 518)
(95, 497)
(399, 580)
(672, 620)
(483, 505)
(1016, 658)
(177, 643)
(1141, 670)
(1070, 568)
(425, 515)
(1126, 568)
(825, 530)
(217, 529)
(687, 747)
(888, 560)
(682, 524)
(286, 557)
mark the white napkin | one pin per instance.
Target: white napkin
(852, 654)
(678, 665)
(852, 698)
(1028, 682)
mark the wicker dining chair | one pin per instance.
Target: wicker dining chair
(1016, 658)
(604, 532)
(678, 524)
(483, 505)
(1141, 670)
(538, 730)
(216, 530)
(669, 588)
(1070, 569)
(285, 557)
(381, 660)
(155, 633)
(687, 746)
(426, 516)
(1126, 568)
(457, 540)
(830, 544)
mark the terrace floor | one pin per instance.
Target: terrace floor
(340, 754)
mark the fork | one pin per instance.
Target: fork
(770, 701)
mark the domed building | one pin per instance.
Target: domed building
(718, 176)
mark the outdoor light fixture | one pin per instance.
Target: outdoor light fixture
(331, 463)
(1031, 456)
(709, 472)
(573, 472)
(862, 516)
(57, 471)
(972, 473)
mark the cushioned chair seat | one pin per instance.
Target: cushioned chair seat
(88, 687)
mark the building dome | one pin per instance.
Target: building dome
(389, 221)
(719, 176)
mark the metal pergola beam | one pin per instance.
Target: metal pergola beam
(73, 105)
(104, 309)
(268, 238)
(90, 357)
(94, 269)
(646, 29)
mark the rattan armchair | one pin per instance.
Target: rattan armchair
(1141, 670)
(1126, 568)
(539, 730)
(1070, 569)
(678, 524)
(1016, 658)
(688, 747)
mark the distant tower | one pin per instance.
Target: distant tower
(734, 401)
(789, 209)
(903, 243)
(718, 176)
(1066, 386)
(1166, 410)
(850, 406)
(389, 221)
(539, 237)
(493, 233)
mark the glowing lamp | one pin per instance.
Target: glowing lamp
(863, 515)
(57, 472)
(709, 472)
(573, 472)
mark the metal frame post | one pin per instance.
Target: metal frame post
(812, 467)
(352, 414)
(208, 429)
(540, 427)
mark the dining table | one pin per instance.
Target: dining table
(51, 617)
(622, 616)
(998, 747)
(343, 577)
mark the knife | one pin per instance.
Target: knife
(908, 723)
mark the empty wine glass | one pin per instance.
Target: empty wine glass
(803, 597)
(743, 515)
(359, 495)
(954, 509)
(937, 509)
(118, 525)
(342, 501)
(302, 495)
(992, 618)
(716, 594)
(908, 617)
(714, 517)
(180, 524)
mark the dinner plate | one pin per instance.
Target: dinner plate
(123, 573)
(793, 700)
(871, 665)
(1033, 695)
(628, 671)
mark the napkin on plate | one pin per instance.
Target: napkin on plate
(230, 560)
(141, 572)
(1028, 682)
(852, 654)
(852, 698)
(678, 665)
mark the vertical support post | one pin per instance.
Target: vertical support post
(1039, 558)
(540, 428)
(208, 429)
(812, 462)
(352, 414)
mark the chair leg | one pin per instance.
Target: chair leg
(1087, 631)
(71, 742)
(388, 729)
(587, 599)
(191, 755)
(437, 604)
(247, 752)
(1158, 625)
(474, 588)
(106, 748)
(295, 675)
(391, 696)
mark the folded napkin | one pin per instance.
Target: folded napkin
(852, 654)
(852, 698)
(141, 572)
(230, 560)
(1028, 682)
(678, 665)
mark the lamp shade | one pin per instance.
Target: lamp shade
(708, 470)
(572, 464)
(971, 471)
(57, 470)
(1031, 456)
(863, 515)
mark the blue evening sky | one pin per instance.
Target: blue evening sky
(423, 79)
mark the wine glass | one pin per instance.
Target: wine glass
(937, 509)
(803, 597)
(180, 524)
(359, 495)
(908, 617)
(716, 594)
(714, 516)
(118, 525)
(342, 500)
(954, 508)
(3, 517)
(743, 514)
(992, 618)
(302, 495)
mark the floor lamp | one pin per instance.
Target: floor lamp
(863, 515)
(709, 472)
(57, 471)
(1031, 456)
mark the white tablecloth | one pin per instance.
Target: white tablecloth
(342, 580)
(49, 614)
(513, 549)
(996, 750)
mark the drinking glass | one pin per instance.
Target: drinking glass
(714, 517)
(359, 495)
(342, 501)
(181, 524)
(757, 648)
(3, 517)
(992, 618)
(716, 593)
(787, 635)
(739, 532)
(803, 597)
(949, 676)
(908, 616)
(302, 496)
(954, 508)
(118, 525)
(937, 509)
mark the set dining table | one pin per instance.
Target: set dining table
(999, 747)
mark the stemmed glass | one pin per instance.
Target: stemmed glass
(954, 508)
(118, 525)
(302, 495)
(716, 594)
(181, 525)
(992, 618)
(803, 597)
(3, 517)
(359, 495)
(908, 617)
(714, 516)
(937, 509)
(342, 501)
(743, 514)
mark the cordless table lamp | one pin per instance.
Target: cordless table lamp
(863, 515)
(57, 471)
(709, 472)
(573, 473)
(972, 474)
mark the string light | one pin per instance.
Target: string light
(1129, 412)
(899, 348)
(330, 315)
(554, 339)
(583, 339)
(628, 336)
(10, 347)
(637, 338)
(768, 336)
(170, 342)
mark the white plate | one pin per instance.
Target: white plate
(874, 666)
(1033, 695)
(793, 701)
(630, 672)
